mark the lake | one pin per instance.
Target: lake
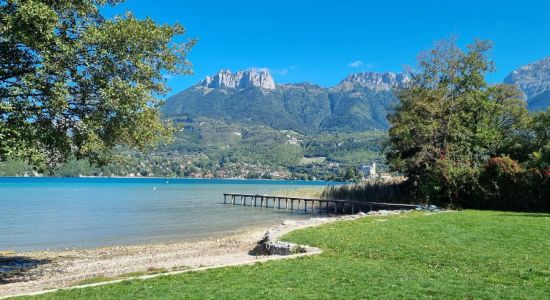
(58, 213)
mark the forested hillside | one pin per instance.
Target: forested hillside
(205, 147)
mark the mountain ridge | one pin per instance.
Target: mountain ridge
(533, 80)
(359, 102)
(240, 79)
(376, 81)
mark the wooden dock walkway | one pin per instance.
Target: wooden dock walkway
(309, 204)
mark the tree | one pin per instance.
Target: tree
(74, 83)
(350, 174)
(540, 143)
(74, 168)
(449, 121)
(12, 167)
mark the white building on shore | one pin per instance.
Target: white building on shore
(369, 172)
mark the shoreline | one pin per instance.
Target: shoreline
(44, 270)
(316, 182)
(206, 236)
(41, 271)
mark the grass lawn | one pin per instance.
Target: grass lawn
(469, 254)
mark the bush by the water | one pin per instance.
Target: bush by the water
(503, 184)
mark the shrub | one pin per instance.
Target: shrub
(505, 185)
(501, 184)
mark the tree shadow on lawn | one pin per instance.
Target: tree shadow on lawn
(18, 268)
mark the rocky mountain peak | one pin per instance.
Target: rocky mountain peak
(374, 81)
(533, 79)
(240, 80)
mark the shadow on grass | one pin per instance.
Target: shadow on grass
(17, 268)
(533, 215)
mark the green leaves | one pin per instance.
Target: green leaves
(75, 83)
(450, 121)
(33, 23)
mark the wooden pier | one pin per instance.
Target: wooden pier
(309, 204)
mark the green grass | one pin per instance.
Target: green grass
(150, 271)
(459, 255)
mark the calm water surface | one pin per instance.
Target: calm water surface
(58, 213)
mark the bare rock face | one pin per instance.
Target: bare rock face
(374, 81)
(534, 80)
(240, 80)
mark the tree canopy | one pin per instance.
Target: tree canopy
(450, 123)
(74, 83)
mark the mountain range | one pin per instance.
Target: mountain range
(359, 102)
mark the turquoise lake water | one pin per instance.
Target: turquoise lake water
(58, 213)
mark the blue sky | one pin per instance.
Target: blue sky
(324, 41)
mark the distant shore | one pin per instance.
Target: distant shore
(179, 178)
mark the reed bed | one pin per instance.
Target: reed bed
(395, 190)
(315, 192)
(388, 191)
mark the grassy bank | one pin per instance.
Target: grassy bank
(468, 254)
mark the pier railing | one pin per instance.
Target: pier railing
(309, 204)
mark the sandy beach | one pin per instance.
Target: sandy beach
(24, 273)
